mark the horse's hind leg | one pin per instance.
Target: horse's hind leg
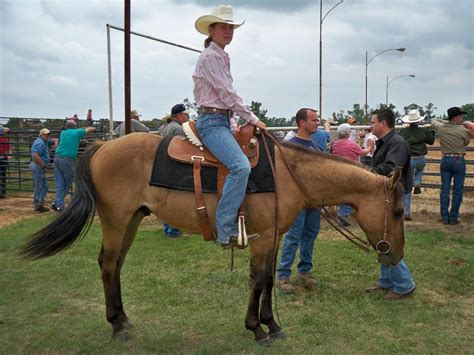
(115, 245)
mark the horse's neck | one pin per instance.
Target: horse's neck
(332, 181)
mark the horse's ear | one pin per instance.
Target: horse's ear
(393, 178)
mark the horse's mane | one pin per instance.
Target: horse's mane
(302, 149)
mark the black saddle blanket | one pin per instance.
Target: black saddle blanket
(172, 174)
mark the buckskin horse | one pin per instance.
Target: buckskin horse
(113, 179)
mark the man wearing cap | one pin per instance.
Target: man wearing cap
(453, 139)
(5, 156)
(178, 116)
(417, 138)
(39, 164)
(65, 160)
(135, 125)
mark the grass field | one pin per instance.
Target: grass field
(182, 298)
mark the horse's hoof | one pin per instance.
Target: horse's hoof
(127, 325)
(121, 335)
(264, 342)
(278, 335)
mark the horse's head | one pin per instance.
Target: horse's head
(382, 219)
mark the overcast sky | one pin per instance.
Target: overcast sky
(53, 58)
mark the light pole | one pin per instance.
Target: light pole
(389, 82)
(321, 19)
(367, 62)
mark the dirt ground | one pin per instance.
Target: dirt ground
(425, 215)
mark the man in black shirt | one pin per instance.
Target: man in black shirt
(392, 151)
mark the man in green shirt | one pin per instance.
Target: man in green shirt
(417, 138)
(65, 160)
(453, 139)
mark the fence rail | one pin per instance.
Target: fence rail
(19, 180)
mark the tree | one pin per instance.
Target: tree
(256, 108)
(358, 113)
(414, 107)
(469, 108)
(429, 110)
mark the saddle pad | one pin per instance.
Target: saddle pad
(175, 175)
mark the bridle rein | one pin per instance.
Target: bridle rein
(382, 247)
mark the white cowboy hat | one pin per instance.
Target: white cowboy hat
(221, 14)
(413, 117)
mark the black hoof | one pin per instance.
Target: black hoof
(278, 335)
(264, 342)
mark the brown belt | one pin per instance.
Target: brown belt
(227, 113)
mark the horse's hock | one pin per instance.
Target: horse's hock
(428, 200)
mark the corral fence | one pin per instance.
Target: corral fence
(23, 132)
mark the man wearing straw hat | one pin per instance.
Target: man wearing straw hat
(417, 138)
(135, 125)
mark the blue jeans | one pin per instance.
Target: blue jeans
(39, 182)
(417, 166)
(171, 231)
(217, 137)
(397, 278)
(452, 168)
(63, 177)
(302, 234)
(345, 211)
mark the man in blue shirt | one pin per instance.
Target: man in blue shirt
(65, 160)
(39, 164)
(305, 228)
(322, 136)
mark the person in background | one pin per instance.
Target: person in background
(392, 151)
(305, 228)
(65, 160)
(345, 147)
(5, 156)
(178, 116)
(135, 125)
(417, 138)
(322, 136)
(217, 103)
(454, 136)
(90, 120)
(353, 135)
(369, 140)
(38, 166)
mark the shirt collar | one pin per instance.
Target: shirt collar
(218, 49)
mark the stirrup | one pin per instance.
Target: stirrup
(242, 238)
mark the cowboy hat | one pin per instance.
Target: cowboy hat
(134, 113)
(221, 14)
(455, 111)
(413, 117)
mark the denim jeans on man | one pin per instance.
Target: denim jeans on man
(397, 278)
(344, 211)
(63, 176)
(39, 182)
(302, 234)
(452, 168)
(217, 137)
(417, 166)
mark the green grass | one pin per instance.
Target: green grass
(182, 298)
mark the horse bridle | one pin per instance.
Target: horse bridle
(382, 247)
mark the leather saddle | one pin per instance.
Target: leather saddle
(191, 150)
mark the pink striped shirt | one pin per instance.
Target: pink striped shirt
(213, 84)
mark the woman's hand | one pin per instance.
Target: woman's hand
(261, 125)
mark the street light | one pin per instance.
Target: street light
(389, 82)
(367, 62)
(321, 19)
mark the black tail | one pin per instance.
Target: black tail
(71, 223)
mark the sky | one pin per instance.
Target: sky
(53, 57)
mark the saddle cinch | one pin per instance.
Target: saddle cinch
(190, 150)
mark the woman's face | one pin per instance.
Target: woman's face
(221, 33)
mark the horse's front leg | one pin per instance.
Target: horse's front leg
(258, 275)
(266, 312)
